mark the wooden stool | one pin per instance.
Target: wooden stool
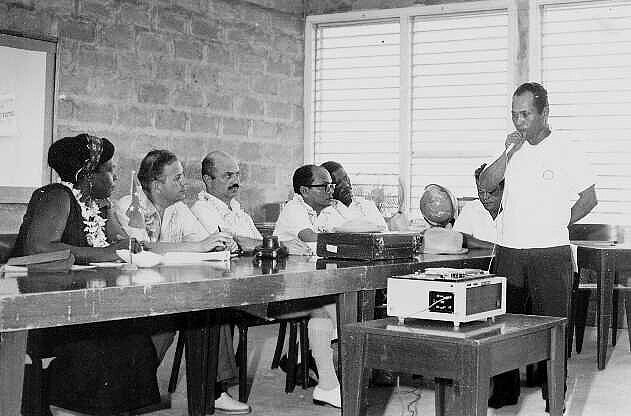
(462, 360)
(292, 354)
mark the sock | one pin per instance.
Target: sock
(320, 343)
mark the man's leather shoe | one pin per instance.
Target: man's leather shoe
(228, 405)
(328, 397)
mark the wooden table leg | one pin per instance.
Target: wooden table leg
(346, 314)
(366, 305)
(196, 343)
(346, 310)
(12, 352)
(443, 389)
(212, 363)
(469, 395)
(604, 291)
(202, 346)
(355, 374)
(556, 371)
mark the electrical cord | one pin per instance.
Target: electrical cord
(442, 299)
(499, 210)
(412, 405)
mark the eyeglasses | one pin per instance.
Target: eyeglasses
(328, 187)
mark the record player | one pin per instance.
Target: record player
(446, 294)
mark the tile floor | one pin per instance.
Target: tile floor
(590, 392)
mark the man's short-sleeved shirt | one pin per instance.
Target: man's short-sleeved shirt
(214, 214)
(359, 210)
(476, 221)
(178, 224)
(542, 183)
(296, 216)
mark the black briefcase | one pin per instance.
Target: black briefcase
(369, 246)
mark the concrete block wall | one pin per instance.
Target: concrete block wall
(187, 75)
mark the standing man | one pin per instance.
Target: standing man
(171, 226)
(217, 208)
(543, 174)
(346, 209)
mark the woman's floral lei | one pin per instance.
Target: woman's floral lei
(94, 223)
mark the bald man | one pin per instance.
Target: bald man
(217, 207)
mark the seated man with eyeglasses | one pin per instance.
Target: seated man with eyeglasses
(217, 207)
(298, 230)
(297, 225)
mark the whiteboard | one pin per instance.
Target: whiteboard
(26, 91)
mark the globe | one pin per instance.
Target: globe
(438, 205)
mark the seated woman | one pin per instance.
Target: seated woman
(103, 368)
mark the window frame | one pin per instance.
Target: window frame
(405, 17)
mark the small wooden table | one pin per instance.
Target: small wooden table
(468, 356)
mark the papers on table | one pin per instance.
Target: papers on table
(149, 259)
(23, 269)
(182, 257)
(142, 259)
(108, 264)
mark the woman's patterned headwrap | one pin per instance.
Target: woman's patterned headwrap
(73, 157)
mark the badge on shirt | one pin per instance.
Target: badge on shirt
(547, 175)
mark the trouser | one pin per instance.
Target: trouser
(539, 282)
(226, 363)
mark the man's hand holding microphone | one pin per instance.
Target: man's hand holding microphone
(513, 143)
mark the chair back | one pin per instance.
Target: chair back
(596, 232)
(6, 245)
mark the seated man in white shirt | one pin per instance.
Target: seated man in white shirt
(349, 211)
(297, 229)
(476, 221)
(169, 225)
(217, 208)
(297, 225)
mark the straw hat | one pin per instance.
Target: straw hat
(438, 240)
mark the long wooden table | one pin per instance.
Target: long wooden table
(47, 300)
(604, 259)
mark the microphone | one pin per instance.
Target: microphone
(510, 146)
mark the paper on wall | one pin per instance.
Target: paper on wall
(8, 119)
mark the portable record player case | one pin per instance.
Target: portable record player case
(455, 297)
(369, 246)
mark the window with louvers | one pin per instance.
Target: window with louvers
(356, 104)
(420, 93)
(459, 87)
(583, 58)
